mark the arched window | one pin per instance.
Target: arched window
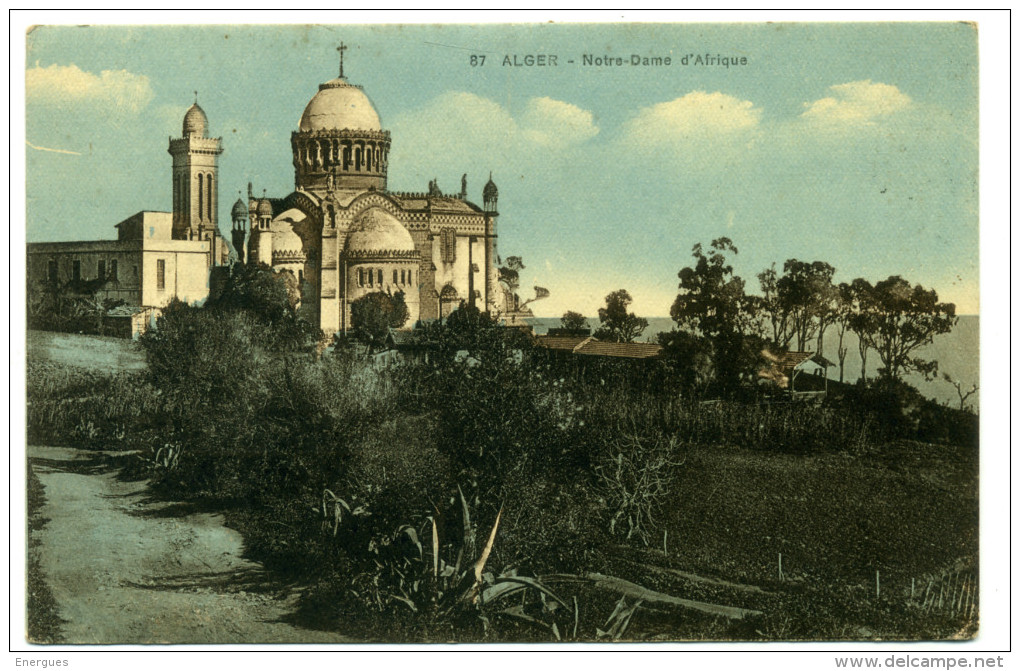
(209, 197)
(361, 277)
(448, 245)
(368, 158)
(200, 202)
(379, 275)
(395, 276)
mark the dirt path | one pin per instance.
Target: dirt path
(123, 569)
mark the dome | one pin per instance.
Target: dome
(286, 240)
(239, 211)
(265, 208)
(195, 121)
(376, 230)
(339, 105)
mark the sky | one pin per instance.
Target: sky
(854, 144)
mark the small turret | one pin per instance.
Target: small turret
(265, 213)
(238, 214)
(490, 195)
(264, 240)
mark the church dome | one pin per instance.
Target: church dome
(286, 240)
(337, 106)
(376, 230)
(265, 208)
(239, 211)
(195, 121)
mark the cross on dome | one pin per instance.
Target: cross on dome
(342, 48)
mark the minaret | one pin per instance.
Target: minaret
(195, 177)
(238, 215)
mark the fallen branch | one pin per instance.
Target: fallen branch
(635, 591)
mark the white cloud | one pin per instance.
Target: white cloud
(69, 83)
(460, 131)
(484, 125)
(556, 123)
(454, 126)
(857, 103)
(696, 115)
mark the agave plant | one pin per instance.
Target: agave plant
(448, 579)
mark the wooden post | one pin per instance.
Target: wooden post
(911, 589)
(780, 567)
(664, 550)
(878, 585)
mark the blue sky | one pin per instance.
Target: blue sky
(854, 144)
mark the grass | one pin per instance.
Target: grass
(585, 479)
(43, 622)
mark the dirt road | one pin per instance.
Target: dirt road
(124, 569)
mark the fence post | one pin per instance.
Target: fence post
(878, 585)
(780, 567)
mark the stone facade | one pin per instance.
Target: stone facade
(343, 234)
(145, 267)
(157, 256)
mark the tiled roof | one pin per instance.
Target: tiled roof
(566, 343)
(781, 366)
(592, 347)
(624, 350)
(790, 360)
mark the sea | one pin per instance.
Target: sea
(957, 353)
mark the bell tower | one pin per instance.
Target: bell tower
(195, 178)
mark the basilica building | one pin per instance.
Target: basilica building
(344, 234)
(341, 233)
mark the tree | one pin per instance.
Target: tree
(844, 313)
(619, 325)
(510, 276)
(711, 300)
(374, 314)
(712, 303)
(774, 308)
(574, 322)
(271, 299)
(862, 319)
(961, 394)
(690, 358)
(270, 295)
(510, 272)
(906, 318)
(806, 294)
